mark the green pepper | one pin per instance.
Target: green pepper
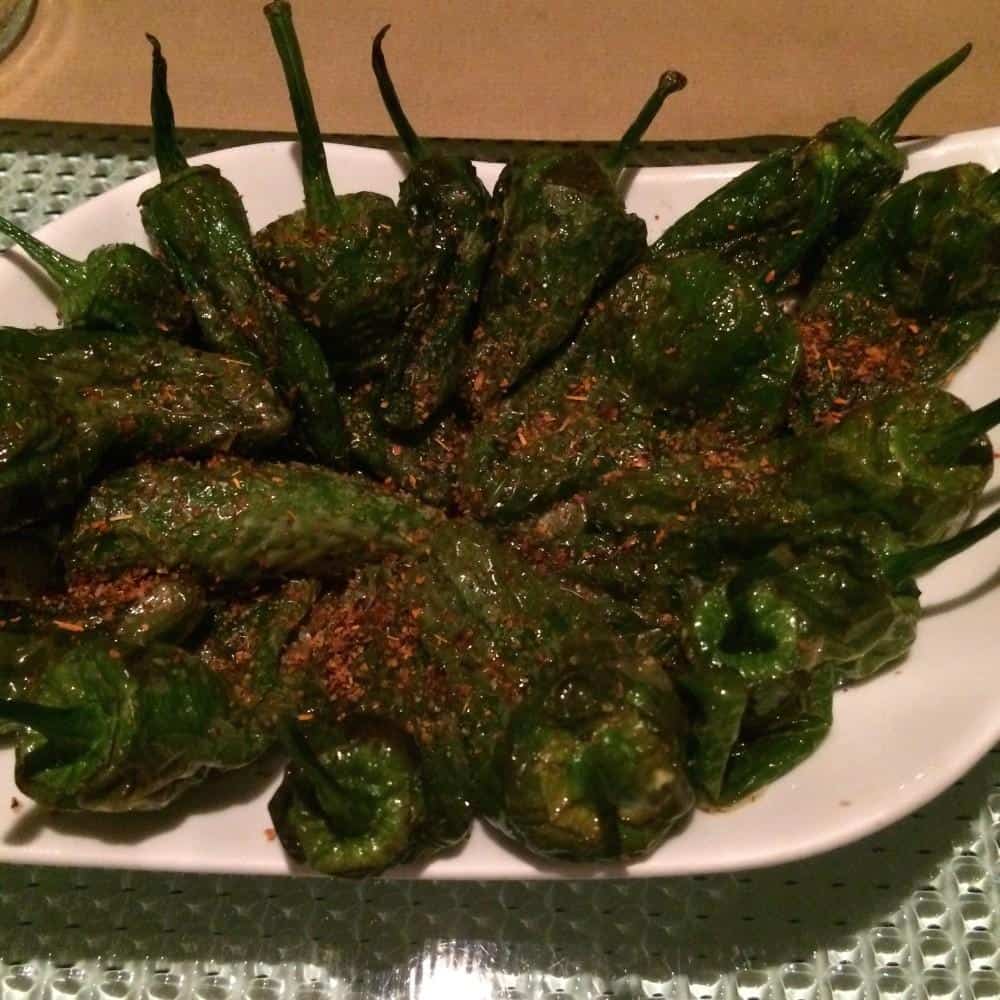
(134, 611)
(120, 726)
(232, 520)
(346, 263)
(594, 769)
(908, 298)
(695, 341)
(683, 344)
(24, 654)
(781, 213)
(245, 646)
(454, 228)
(899, 472)
(422, 464)
(918, 460)
(564, 237)
(465, 660)
(766, 646)
(74, 401)
(119, 286)
(197, 219)
(111, 733)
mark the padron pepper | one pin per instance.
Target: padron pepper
(108, 731)
(564, 237)
(917, 461)
(73, 401)
(454, 227)
(908, 298)
(196, 218)
(463, 685)
(134, 611)
(346, 263)
(901, 471)
(245, 646)
(422, 465)
(686, 344)
(112, 727)
(24, 654)
(768, 645)
(785, 210)
(238, 521)
(119, 287)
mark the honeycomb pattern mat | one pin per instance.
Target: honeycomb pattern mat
(912, 913)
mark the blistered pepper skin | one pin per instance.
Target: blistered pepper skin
(230, 520)
(350, 284)
(777, 218)
(678, 344)
(197, 219)
(767, 645)
(347, 263)
(108, 733)
(564, 237)
(907, 299)
(473, 660)
(118, 287)
(74, 401)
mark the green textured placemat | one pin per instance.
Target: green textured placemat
(912, 913)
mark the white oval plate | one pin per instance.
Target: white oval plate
(896, 742)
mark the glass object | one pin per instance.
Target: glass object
(15, 16)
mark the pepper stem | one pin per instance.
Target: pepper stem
(952, 440)
(321, 201)
(905, 565)
(412, 142)
(169, 157)
(888, 123)
(63, 726)
(669, 83)
(63, 270)
(349, 814)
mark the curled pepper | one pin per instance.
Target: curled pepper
(454, 228)
(120, 287)
(112, 733)
(564, 237)
(594, 768)
(783, 211)
(767, 646)
(471, 661)
(197, 219)
(352, 801)
(346, 263)
(133, 611)
(108, 724)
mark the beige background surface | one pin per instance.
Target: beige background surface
(562, 69)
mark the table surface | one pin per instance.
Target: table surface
(912, 913)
